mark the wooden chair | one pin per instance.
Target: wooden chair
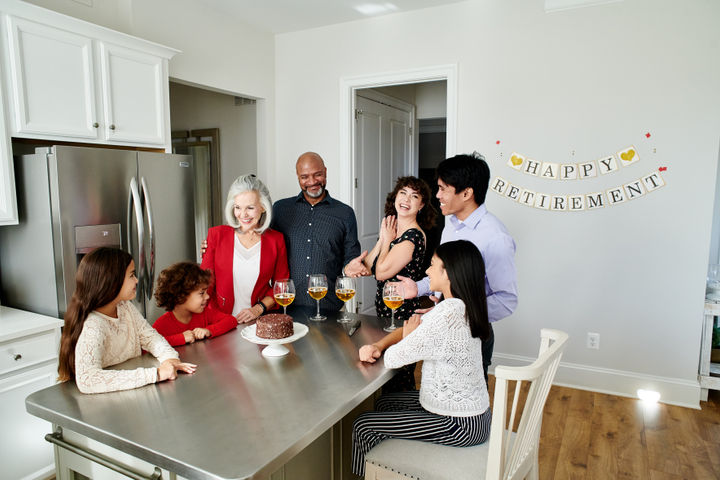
(506, 455)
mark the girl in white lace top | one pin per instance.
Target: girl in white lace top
(452, 406)
(103, 328)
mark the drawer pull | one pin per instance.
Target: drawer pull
(17, 357)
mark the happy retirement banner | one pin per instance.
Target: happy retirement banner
(577, 171)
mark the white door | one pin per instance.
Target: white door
(383, 152)
(51, 77)
(133, 95)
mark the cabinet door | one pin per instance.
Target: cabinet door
(8, 202)
(133, 95)
(52, 81)
(24, 453)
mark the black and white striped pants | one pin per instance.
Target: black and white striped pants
(400, 415)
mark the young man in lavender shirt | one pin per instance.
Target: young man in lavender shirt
(462, 185)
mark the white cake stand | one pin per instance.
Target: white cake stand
(274, 348)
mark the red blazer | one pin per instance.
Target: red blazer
(219, 258)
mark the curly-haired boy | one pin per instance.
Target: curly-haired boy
(182, 291)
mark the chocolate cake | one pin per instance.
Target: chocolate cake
(274, 326)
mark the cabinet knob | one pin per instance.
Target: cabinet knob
(96, 125)
(17, 357)
(112, 127)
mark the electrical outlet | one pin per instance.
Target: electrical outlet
(593, 340)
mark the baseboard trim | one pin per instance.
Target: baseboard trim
(673, 391)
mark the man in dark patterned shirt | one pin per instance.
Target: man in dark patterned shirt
(320, 233)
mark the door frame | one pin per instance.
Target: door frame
(348, 87)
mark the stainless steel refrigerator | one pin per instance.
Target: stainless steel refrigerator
(74, 199)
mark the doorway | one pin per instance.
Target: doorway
(219, 130)
(384, 150)
(202, 146)
(427, 138)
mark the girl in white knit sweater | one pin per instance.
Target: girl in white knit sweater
(452, 406)
(103, 328)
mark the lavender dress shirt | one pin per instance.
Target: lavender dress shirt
(497, 247)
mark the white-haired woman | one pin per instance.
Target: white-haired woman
(245, 255)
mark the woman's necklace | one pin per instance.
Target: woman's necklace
(248, 238)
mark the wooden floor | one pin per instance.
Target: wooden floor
(588, 435)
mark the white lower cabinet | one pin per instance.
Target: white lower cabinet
(24, 454)
(28, 363)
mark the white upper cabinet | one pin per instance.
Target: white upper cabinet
(134, 85)
(69, 80)
(51, 81)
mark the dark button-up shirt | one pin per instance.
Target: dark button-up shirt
(320, 238)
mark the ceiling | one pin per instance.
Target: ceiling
(279, 16)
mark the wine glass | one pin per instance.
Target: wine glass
(317, 289)
(284, 292)
(393, 298)
(345, 290)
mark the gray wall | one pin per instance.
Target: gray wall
(195, 108)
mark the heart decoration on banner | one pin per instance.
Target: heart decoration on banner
(574, 202)
(573, 171)
(628, 156)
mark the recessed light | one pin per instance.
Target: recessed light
(376, 8)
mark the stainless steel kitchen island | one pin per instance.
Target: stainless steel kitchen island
(241, 416)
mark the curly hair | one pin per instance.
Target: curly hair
(178, 281)
(426, 216)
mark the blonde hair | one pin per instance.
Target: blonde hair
(249, 183)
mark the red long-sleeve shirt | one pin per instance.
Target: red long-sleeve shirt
(217, 322)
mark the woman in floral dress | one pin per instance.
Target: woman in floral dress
(400, 250)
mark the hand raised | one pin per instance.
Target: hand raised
(203, 247)
(388, 228)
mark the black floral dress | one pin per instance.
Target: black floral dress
(404, 379)
(412, 270)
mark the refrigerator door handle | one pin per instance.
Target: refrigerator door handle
(151, 234)
(135, 204)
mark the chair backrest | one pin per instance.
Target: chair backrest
(513, 456)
